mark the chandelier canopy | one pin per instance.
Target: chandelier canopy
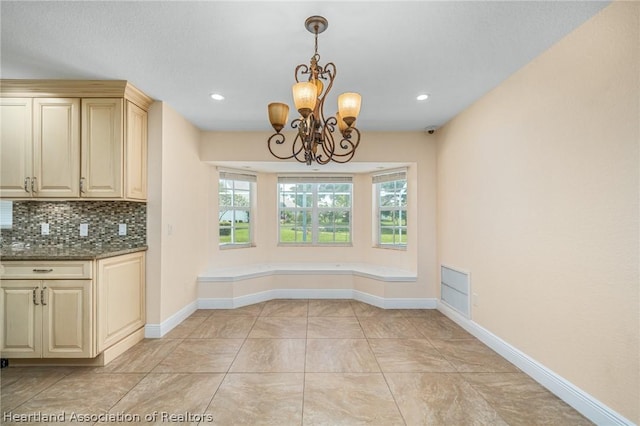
(314, 140)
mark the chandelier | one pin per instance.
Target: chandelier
(314, 140)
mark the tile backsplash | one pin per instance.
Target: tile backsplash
(64, 219)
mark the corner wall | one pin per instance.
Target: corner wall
(178, 213)
(538, 197)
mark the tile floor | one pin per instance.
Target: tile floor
(293, 362)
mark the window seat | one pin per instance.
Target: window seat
(244, 272)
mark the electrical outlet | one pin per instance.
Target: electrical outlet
(122, 229)
(44, 229)
(84, 229)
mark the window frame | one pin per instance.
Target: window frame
(401, 209)
(250, 209)
(314, 210)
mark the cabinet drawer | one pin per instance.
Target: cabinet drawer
(72, 269)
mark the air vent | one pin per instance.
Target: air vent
(454, 289)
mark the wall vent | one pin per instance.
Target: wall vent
(454, 289)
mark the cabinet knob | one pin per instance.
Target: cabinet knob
(42, 296)
(42, 271)
(26, 184)
(82, 185)
(35, 301)
(33, 185)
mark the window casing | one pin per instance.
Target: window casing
(235, 208)
(315, 211)
(391, 206)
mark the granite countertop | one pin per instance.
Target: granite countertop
(76, 252)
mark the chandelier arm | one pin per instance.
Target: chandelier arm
(349, 146)
(327, 145)
(301, 69)
(297, 141)
(328, 73)
(278, 139)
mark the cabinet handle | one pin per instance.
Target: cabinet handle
(35, 301)
(42, 296)
(82, 185)
(33, 185)
(44, 271)
(26, 184)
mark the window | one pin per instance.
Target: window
(235, 201)
(391, 200)
(6, 214)
(315, 211)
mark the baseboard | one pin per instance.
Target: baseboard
(263, 296)
(155, 331)
(584, 403)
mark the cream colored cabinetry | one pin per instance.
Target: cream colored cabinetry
(71, 309)
(43, 162)
(121, 297)
(47, 318)
(91, 142)
(56, 148)
(136, 155)
(102, 142)
(16, 147)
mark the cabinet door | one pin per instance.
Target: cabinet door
(102, 151)
(16, 160)
(20, 330)
(56, 144)
(66, 323)
(136, 155)
(120, 297)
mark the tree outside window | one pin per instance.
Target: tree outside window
(315, 213)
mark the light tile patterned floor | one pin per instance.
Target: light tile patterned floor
(298, 362)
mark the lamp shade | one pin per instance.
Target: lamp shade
(319, 86)
(278, 114)
(305, 95)
(349, 106)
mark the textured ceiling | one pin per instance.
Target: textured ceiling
(180, 52)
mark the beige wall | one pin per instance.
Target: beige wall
(178, 210)
(416, 149)
(538, 189)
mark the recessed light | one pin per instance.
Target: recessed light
(217, 96)
(422, 97)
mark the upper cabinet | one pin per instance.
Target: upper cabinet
(88, 142)
(16, 147)
(102, 148)
(136, 153)
(56, 148)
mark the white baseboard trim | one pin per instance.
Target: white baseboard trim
(584, 403)
(156, 331)
(263, 296)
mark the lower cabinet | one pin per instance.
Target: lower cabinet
(70, 309)
(46, 319)
(120, 295)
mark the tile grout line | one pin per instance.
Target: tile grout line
(384, 377)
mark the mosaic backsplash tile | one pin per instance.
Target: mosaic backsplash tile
(64, 219)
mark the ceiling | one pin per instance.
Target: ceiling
(389, 51)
